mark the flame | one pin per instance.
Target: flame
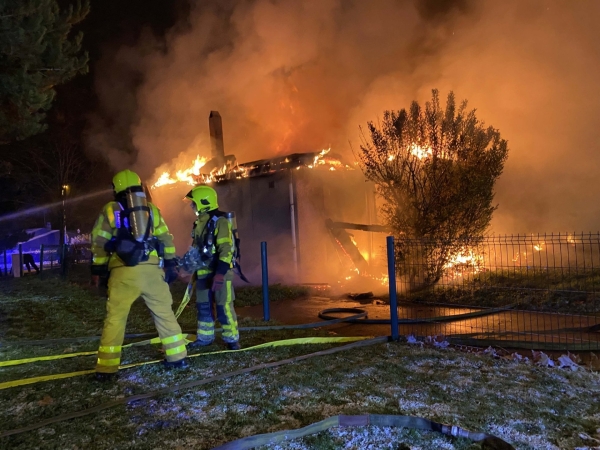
(333, 163)
(363, 276)
(236, 171)
(468, 258)
(415, 150)
(420, 152)
(318, 160)
(187, 175)
(193, 176)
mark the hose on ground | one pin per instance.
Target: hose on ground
(487, 441)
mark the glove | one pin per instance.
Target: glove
(171, 272)
(218, 282)
(99, 274)
(111, 246)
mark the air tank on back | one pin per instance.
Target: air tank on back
(139, 213)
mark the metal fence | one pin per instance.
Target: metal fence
(48, 258)
(521, 291)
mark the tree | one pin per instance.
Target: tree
(37, 53)
(435, 170)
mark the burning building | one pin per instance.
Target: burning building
(302, 205)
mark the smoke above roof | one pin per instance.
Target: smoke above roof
(291, 77)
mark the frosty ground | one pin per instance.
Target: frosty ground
(520, 400)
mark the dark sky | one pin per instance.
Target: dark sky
(110, 25)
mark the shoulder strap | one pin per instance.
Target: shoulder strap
(155, 214)
(114, 216)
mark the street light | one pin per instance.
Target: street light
(65, 191)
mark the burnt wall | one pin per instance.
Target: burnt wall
(262, 209)
(342, 196)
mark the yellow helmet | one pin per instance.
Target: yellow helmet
(125, 179)
(204, 197)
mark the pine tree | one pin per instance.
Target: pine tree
(37, 52)
(435, 170)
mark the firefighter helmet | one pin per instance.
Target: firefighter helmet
(125, 179)
(204, 197)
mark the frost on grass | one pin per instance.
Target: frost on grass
(529, 405)
(368, 438)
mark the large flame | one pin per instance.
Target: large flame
(193, 176)
(236, 172)
(186, 176)
(470, 260)
(421, 152)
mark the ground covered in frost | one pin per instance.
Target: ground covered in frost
(528, 400)
(532, 406)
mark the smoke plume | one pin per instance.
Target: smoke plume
(304, 75)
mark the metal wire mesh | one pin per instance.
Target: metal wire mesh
(543, 289)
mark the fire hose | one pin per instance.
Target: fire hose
(487, 441)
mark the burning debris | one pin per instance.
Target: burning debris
(232, 171)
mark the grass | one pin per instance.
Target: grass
(531, 406)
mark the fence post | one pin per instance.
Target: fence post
(20, 260)
(392, 286)
(63, 261)
(265, 281)
(42, 262)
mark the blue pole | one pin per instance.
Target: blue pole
(392, 281)
(265, 281)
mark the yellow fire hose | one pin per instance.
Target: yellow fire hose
(296, 341)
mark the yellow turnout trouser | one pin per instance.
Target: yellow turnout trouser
(125, 285)
(205, 302)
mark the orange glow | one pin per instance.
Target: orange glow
(187, 175)
(469, 259)
(420, 152)
(193, 176)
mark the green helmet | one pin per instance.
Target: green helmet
(125, 179)
(204, 197)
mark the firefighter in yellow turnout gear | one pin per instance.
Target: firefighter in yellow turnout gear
(214, 239)
(127, 239)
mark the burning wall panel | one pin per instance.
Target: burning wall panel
(288, 209)
(341, 196)
(262, 209)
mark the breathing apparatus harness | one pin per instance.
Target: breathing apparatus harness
(133, 241)
(201, 255)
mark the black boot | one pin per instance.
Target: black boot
(181, 364)
(198, 343)
(104, 377)
(234, 345)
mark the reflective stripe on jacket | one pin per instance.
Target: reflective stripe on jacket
(223, 246)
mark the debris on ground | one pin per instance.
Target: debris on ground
(361, 296)
(566, 361)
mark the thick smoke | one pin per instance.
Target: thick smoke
(304, 75)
